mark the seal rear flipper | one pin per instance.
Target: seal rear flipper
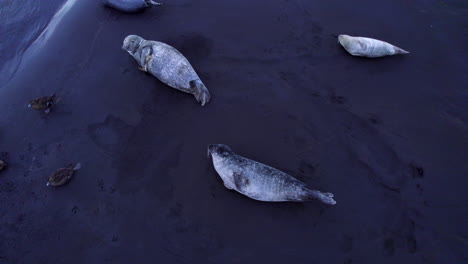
(151, 2)
(400, 50)
(200, 91)
(323, 197)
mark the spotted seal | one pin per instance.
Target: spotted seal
(259, 181)
(130, 6)
(368, 47)
(168, 65)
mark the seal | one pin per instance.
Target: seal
(61, 176)
(368, 47)
(130, 6)
(259, 181)
(168, 65)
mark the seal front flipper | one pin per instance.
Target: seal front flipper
(227, 186)
(144, 68)
(200, 91)
(362, 44)
(240, 181)
(145, 58)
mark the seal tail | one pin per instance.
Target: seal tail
(400, 50)
(200, 92)
(326, 198)
(151, 2)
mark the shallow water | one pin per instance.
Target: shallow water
(386, 136)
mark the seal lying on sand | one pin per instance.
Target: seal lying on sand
(368, 47)
(168, 65)
(259, 181)
(130, 6)
(61, 176)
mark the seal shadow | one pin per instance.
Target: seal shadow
(194, 46)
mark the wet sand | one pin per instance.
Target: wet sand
(21, 22)
(386, 136)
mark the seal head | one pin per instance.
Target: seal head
(219, 150)
(132, 43)
(343, 40)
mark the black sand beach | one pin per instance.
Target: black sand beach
(387, 136)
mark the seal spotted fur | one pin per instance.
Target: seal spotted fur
(368, 47)
(259, 181)
(168, 65)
